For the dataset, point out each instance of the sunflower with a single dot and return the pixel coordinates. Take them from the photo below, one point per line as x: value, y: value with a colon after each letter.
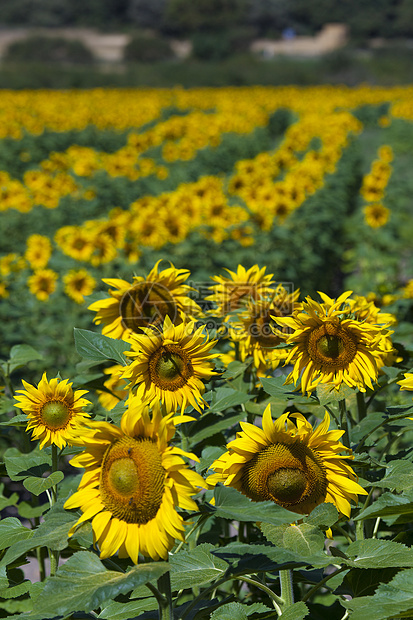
x: 407, y: 382
x: 290, y: 463
x: 54, y: 410
x: 254, y: 329
x: 376, y: 215
x: 330, y: 347
x: 145, y: 302
x: 115, y: 385
x: 38, y: 251
x: 170, y: 364
x: 231, y: 293
x: 133, y: 482
x: 78, y: 283
x: 42, y: 283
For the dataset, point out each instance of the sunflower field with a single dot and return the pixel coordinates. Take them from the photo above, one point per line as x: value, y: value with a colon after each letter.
x: 206, y: 353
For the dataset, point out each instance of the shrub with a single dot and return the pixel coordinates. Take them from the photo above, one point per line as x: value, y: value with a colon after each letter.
x: 144, y: 48
x: 48, y: 49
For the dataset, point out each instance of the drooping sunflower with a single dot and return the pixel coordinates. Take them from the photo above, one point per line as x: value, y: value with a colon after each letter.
x: 231, y: 293
x: 133, y: 482
x: 42, y: 283
x: 253, y: 328
x: 115, y: 385
x: 331, y: 347
x: 78, y: 283
x: 54, y: 410
x: 144, y: 303
x: 290, y: 463
x: 169, y: 365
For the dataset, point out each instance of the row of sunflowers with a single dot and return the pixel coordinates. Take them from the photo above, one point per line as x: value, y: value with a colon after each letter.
x: 287, y: 417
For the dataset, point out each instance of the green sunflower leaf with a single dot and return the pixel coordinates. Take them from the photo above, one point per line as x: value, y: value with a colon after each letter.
x: 326, y: 393
x: 231, y: 504
x: 98, y: 347
x: 12, y: 531
x: 304, y: 539
x: 83, y: 583
x: 323, y: 516
x: 389, y: 505
x: 238, y: 611
x: 391, y: 600
x: 195, y: 568
x: 223, y: 398
x: 125, y: 611
x: 373, y: 553
x: 207, y: 426
x: 298, y: 611
x: 20, y: 355
x: 275, y: 386
x: 20, y: 465
x: 39, y: 485
x: 399, y: 476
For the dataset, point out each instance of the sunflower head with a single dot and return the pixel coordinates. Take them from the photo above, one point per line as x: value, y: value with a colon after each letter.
x: 169, y: 365
x: 290, y: 463
x: 133, y: 483
x: 54, y: 410
x: 130, y: 308
x: 331, y: 346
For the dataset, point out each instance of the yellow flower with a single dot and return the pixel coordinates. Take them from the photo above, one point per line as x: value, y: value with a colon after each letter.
x: 78, y: 283
x: 376, y: 215
x: 290, y: 463
x: 42, y: 283
x: 38, y: 251
x: 232, y: 293
x: 169, y: 365
x: 145, y: 302
x: 115, y: 385
x: 133, y: 483
x: 54, y: 410
x: 408, y: 290
x: 4, y: 293
x: 330, y: 347
x: 407, y: 382
x: 253, y: 328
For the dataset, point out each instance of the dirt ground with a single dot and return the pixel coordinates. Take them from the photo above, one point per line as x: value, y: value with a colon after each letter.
x: 109, y: 47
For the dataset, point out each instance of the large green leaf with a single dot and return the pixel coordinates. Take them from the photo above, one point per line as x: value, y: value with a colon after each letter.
x: 230, y: 611
x: 37, y: 485
x: 246, y: 558
x: 298, y: 611
x: 391, y: 600
x: 323, y: 516
x: 52, y: 533
x: 231, y: 504
x: 275, y: 386
x: 326, y: 393
x: 223, y: 398
x: 211, y: 425
x: 304, y: 539
x: 20, y: 355
x: 373, y: 553
x: 98, y: 347
x: 126, y: 611
x: 83, y: 584
x: 399, y: 476
x: 20, y: 465
x: 195, y: 568
x: 12, y: 531
x: 388, y: 505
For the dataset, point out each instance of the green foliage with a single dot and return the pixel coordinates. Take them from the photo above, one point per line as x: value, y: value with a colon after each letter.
x: 143, y: 48
x: 48, y: 49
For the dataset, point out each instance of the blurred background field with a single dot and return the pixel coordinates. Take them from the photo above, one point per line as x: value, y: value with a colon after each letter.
x: 207, y: 134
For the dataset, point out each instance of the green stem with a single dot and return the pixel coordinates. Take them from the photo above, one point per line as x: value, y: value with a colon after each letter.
x: 276, y: 601
x: 344, y: 422
x: 322, y: 583
x: 286, y: 581
x: 165, y: 603
x: 53, y: 554
x: 361, y: 406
